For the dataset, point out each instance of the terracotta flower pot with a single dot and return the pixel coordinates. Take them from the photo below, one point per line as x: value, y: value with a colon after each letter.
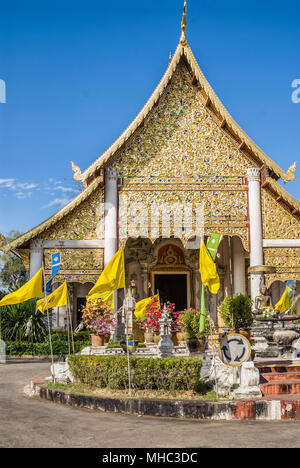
x: 149, y: 337
x: 174, y: 339
x: 193, y: 344
x: 201, y: 344
x: 180, y: 336
x: 156, y: 339
x: 97, y: 340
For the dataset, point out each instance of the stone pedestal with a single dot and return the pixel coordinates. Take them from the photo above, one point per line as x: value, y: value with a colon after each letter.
x: 272, y: 341
x: 2, y: 352
x: 249, y: 382
x: 61, y: 372
x: 166, y: 345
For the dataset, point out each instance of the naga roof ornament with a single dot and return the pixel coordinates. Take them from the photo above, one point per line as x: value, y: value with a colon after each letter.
x: 78, y: 174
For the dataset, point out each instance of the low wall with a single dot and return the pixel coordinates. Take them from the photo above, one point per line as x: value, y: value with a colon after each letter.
x: 260, y: 410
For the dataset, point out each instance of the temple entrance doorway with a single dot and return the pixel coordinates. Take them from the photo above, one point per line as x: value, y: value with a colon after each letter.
x: 172, y: 278
x: 172, y: 288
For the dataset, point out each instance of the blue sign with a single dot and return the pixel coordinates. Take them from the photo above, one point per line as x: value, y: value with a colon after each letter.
x: 56, y: 263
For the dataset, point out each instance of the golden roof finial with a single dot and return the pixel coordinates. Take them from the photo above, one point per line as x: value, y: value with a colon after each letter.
x: 290, y: 174
x: 183, y: 40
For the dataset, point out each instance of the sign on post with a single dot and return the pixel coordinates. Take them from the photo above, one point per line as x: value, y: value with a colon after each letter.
x: 2, y: 352
x: 234, y: 349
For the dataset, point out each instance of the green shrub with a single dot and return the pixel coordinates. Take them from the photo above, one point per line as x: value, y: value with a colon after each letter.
x: 146, y: 373
x: 62, y: 335
x: 114, y: 344
x: 21, y: 348
x: 190, y: 321
x: 14, y: 320
x: 236, y: 311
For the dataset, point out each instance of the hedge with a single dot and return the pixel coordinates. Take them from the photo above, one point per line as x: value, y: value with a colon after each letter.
x: 146, y: 373
x: 62, y: 335
x: 22, y: 348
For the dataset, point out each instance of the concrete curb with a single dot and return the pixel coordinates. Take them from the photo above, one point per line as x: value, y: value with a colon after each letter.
x: 251, y: 410
x: 29, y: 357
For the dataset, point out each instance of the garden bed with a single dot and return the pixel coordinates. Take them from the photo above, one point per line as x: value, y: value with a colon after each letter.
x: 203, y: 394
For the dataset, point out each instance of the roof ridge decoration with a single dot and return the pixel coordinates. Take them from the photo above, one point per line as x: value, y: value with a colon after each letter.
x: 282, y: 194
x: 2, y: 241
x: 78, y: 174
x: 243, y: 141
x: 183, y: 40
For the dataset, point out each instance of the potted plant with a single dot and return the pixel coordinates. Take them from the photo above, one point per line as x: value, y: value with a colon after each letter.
x: 150, y: 324
x: 236, y: 311
x: 98, y: 317
x: 190, y: 322
x: 177, y: 333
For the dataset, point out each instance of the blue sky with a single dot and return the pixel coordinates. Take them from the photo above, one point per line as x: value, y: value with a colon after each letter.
x: 78, y: 72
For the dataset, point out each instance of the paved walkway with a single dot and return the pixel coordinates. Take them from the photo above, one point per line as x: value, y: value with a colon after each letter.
x: 26, y: 422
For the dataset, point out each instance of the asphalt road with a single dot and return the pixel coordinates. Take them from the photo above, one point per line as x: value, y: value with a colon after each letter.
x: 26, y: 422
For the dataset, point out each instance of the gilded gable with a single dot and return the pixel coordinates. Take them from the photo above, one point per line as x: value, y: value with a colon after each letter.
x: 85, y: 222
x: 181, y: 139
x: 278, y: 221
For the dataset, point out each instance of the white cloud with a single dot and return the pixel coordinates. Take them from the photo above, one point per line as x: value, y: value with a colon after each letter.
x: 21, y: 195
x: 6, y: 183
x: 57, y: 201
x: 26, y: 186
x: 65, y: 189
x: 24, y: 190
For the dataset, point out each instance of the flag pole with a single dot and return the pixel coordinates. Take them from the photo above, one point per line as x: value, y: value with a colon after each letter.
x: 49, y: 326
x: 203, y: 305
x: 125, y: 311
x: 68, y: 325
x: 70, y: 322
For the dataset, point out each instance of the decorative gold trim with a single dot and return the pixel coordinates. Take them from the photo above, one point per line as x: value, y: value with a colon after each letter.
x: 282, y: 194
x: 262, y: 269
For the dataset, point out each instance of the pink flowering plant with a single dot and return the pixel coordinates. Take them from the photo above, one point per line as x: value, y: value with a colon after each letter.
x: 98, y: 317
x: 176, y: 316
x: 153, y: 313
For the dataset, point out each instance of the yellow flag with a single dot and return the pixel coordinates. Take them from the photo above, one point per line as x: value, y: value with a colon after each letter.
x: 112, y: 277
x: 31, y: 290
x: 208, y: 270
x: 58, y: 298
x: 107, y: 297
x: 285, y: 303
x: 140, y: 307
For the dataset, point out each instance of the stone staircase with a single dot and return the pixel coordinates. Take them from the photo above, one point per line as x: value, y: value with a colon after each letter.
x: 279, y: 379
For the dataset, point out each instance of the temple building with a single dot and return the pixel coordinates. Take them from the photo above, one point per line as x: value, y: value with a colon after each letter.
x: 182, y: 169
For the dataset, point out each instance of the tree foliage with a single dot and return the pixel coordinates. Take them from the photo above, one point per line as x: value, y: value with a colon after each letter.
x: 12, y: 271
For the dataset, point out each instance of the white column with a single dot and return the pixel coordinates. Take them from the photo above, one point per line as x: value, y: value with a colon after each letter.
x: 111, y: 219
x: 239, y: 273
x: 111, y: 214
x: 256, y: 230
x: 36, y: 256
